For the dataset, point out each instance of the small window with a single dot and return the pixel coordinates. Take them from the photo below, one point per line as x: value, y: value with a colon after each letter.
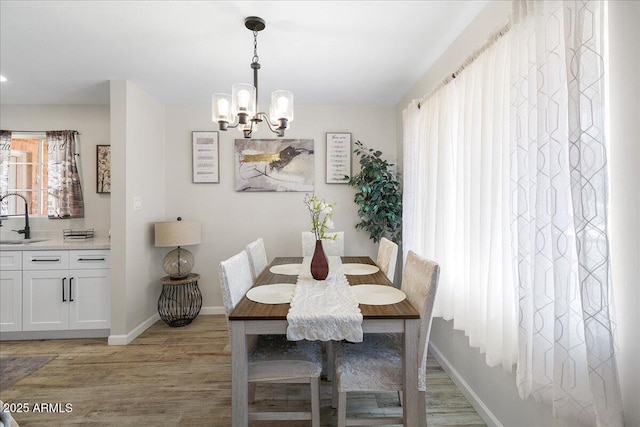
x: 28, y: 162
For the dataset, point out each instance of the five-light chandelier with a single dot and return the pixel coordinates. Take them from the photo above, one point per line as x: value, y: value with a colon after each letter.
x: 241, y: 107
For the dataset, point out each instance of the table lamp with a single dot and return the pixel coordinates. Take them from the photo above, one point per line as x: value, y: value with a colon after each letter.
x: 178, y: 262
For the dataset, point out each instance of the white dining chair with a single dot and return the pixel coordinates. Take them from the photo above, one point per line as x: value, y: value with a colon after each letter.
x: 333, y: 247
x: 257, y: 257
x: 376, y: 363
x: 273, y: 359
x: 387, y: 257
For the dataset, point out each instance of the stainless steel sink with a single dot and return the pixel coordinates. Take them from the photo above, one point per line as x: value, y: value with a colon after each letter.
x: 21, y: 241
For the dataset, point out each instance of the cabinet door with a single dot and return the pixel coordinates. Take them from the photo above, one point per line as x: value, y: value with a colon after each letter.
x: 10, y: 301
x: 90, y: 305
x: 45, y: 300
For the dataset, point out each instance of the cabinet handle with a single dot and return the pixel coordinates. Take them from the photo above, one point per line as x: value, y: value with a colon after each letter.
x: 90, y: 259
x: 46, y: 260
x: 71, y: 289
x: 63, y: 297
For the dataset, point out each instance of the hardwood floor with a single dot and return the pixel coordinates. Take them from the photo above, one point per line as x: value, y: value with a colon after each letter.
x: 180, y: 377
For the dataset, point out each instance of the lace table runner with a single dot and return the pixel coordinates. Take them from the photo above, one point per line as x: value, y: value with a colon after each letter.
x: 324, y: 309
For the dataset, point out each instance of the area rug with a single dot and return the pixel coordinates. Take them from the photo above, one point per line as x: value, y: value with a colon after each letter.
x: 13, y: 369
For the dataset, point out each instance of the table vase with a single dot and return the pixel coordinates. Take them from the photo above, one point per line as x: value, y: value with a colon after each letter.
x: 319, y: 262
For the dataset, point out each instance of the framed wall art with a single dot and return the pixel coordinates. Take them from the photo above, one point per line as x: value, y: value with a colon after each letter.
x: 274, y: 164
x: 103, y: 169
x: 206, y: 162
x: 338, y: 157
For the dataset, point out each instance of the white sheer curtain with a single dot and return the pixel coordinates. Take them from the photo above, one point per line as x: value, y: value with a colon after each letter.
x: 559, y: 176
x: 505, y: 185
x: 456, y: 201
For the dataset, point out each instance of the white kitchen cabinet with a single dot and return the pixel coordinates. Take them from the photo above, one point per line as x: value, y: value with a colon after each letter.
x: 66, y: 290
x: 10, y: 291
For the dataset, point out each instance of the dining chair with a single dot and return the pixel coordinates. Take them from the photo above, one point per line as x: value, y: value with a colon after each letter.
x: 376, y: 363
x: 257, y: 257
x: 272, y: 358
x: 333, y: 247
x: 387, y: 257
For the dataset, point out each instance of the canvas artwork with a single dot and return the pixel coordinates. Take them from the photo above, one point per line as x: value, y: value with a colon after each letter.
x: 274, y: 164
x: 103, y: 168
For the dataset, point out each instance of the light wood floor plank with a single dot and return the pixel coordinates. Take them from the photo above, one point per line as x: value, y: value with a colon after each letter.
x: 182, y: 377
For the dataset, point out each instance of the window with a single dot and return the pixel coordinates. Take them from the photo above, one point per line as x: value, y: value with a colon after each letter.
x: 28, y: 161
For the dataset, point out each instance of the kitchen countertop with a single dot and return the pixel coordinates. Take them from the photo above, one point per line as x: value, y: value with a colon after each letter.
x: 56, y: 243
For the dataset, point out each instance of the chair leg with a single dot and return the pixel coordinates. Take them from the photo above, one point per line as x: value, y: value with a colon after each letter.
x: 315, y: 402
x: 252, y: 392
x: 334, y: 394
x: 329, y: 361
x: 400, y: 398
x: 422, y: 407
x: 342, y: 409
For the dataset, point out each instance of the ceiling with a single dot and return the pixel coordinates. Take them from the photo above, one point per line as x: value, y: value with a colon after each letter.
x: 181, y: 52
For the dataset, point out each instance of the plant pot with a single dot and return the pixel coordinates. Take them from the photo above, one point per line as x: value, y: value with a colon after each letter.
x: 319, y: 262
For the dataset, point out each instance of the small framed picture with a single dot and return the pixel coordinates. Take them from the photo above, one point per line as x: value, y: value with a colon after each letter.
x: 338, y: 157
x: 205, y: 157
x: 103, y: 169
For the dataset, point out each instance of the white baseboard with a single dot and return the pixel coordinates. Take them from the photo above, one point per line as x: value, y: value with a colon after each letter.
x: 213, y: 310
x: 482, y: 409
x: 126, y: 339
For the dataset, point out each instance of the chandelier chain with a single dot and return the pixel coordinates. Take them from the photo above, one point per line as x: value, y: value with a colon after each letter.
x: 255, y: 58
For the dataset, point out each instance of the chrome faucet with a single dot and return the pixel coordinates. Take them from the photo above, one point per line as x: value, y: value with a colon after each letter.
x: 26, y: 231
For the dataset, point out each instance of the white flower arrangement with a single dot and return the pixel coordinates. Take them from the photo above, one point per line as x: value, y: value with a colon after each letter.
x: 321, y: 213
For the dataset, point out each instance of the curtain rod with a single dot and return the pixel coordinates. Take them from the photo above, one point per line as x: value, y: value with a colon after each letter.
x: 40, y: 131
x: 494, y: 38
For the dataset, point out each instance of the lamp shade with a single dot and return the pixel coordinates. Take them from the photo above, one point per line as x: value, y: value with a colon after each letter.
x: 177, y: 233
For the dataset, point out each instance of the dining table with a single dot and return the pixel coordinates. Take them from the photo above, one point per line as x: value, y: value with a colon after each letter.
x: 254, y: 318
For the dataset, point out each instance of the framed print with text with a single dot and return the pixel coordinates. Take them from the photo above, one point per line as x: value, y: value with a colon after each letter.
x: 206, y: 162
x: 338, y: 157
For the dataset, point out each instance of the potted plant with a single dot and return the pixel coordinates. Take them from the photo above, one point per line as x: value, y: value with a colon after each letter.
x: 378, y: 195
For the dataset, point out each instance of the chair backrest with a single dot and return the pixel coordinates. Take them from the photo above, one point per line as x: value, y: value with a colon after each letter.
x: 257, y: 257
x: 235, y: 280
x: 387, y: 257
x: 420, y: 282
x: 333, y: 247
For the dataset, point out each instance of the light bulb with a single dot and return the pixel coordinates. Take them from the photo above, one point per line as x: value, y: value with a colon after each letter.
x: 243, y: 99
x: 223, y: 108
x: 283, y: 105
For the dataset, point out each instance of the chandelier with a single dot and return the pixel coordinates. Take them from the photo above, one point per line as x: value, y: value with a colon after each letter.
x: 240, y: 109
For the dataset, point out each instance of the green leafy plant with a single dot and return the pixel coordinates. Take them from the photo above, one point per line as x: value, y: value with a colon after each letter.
x: 378, y: 195
x: 321, y: 214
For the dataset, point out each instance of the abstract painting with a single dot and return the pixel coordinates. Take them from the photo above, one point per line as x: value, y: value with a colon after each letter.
x: 274, y: 164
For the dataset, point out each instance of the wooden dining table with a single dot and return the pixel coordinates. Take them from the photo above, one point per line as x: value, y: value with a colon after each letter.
x: 252, y: 318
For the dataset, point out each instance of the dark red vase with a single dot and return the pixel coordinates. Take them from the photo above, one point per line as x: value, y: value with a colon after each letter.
x: 319, y: 263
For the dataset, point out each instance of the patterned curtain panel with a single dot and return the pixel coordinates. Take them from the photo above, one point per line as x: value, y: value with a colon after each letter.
x: 559, y: 186
x: 65, y: 191
x: 5, y: 152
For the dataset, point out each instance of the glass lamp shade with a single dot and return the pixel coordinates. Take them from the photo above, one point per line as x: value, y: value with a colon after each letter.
x: 221, y: 108
x: 281, y: 106
x: 243, y: 99
x: 178, y: 263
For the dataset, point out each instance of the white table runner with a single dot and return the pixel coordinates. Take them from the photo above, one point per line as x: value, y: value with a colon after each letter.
x: 324, y: 310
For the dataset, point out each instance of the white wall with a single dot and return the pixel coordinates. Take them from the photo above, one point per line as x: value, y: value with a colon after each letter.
x: 138, y: 162
x: 491, y: 390
x: 230, y: 220
x: 624, y: 68
x: 92, y: 121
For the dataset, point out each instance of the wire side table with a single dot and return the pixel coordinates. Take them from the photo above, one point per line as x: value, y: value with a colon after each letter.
x: 180, y: 300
